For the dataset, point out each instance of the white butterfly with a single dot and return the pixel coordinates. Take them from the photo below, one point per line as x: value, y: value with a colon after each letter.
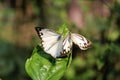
x: 56, y: 46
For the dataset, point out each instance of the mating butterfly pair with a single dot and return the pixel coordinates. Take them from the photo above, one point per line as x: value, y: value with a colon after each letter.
x: 56, y: 46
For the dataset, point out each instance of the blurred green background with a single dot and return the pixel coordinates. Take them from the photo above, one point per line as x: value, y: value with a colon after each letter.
x: 97, y: 20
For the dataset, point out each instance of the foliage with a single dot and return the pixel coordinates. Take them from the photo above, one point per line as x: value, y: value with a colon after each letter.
x: 18, y: 37
x: 42, y: 66
x: 63, y: 30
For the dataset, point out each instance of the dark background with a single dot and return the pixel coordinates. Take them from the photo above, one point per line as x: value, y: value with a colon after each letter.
x: 97, y: 20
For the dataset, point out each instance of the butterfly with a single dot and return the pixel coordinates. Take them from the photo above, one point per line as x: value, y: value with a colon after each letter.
x: 57, y: 46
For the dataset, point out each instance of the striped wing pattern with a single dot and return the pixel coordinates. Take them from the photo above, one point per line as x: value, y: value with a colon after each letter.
x: 56, y: 46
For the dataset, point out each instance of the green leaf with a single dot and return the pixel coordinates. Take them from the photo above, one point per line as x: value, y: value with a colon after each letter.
x: 63, y: 30
x: 42, y: 66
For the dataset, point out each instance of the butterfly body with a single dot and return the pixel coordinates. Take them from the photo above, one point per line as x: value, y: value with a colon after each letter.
x: 56, y: 46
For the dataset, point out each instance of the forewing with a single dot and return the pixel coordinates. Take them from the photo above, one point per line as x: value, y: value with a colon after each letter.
x: 55, y: 49
x: 81, y: 41
x: 51, y: 41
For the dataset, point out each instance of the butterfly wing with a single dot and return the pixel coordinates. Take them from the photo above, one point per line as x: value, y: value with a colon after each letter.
x: 51, y: 41
x: 67, y: 45
x: 81, y: 41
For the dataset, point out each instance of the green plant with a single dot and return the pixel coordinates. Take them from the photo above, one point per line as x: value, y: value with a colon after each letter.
x: 42, y: 66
